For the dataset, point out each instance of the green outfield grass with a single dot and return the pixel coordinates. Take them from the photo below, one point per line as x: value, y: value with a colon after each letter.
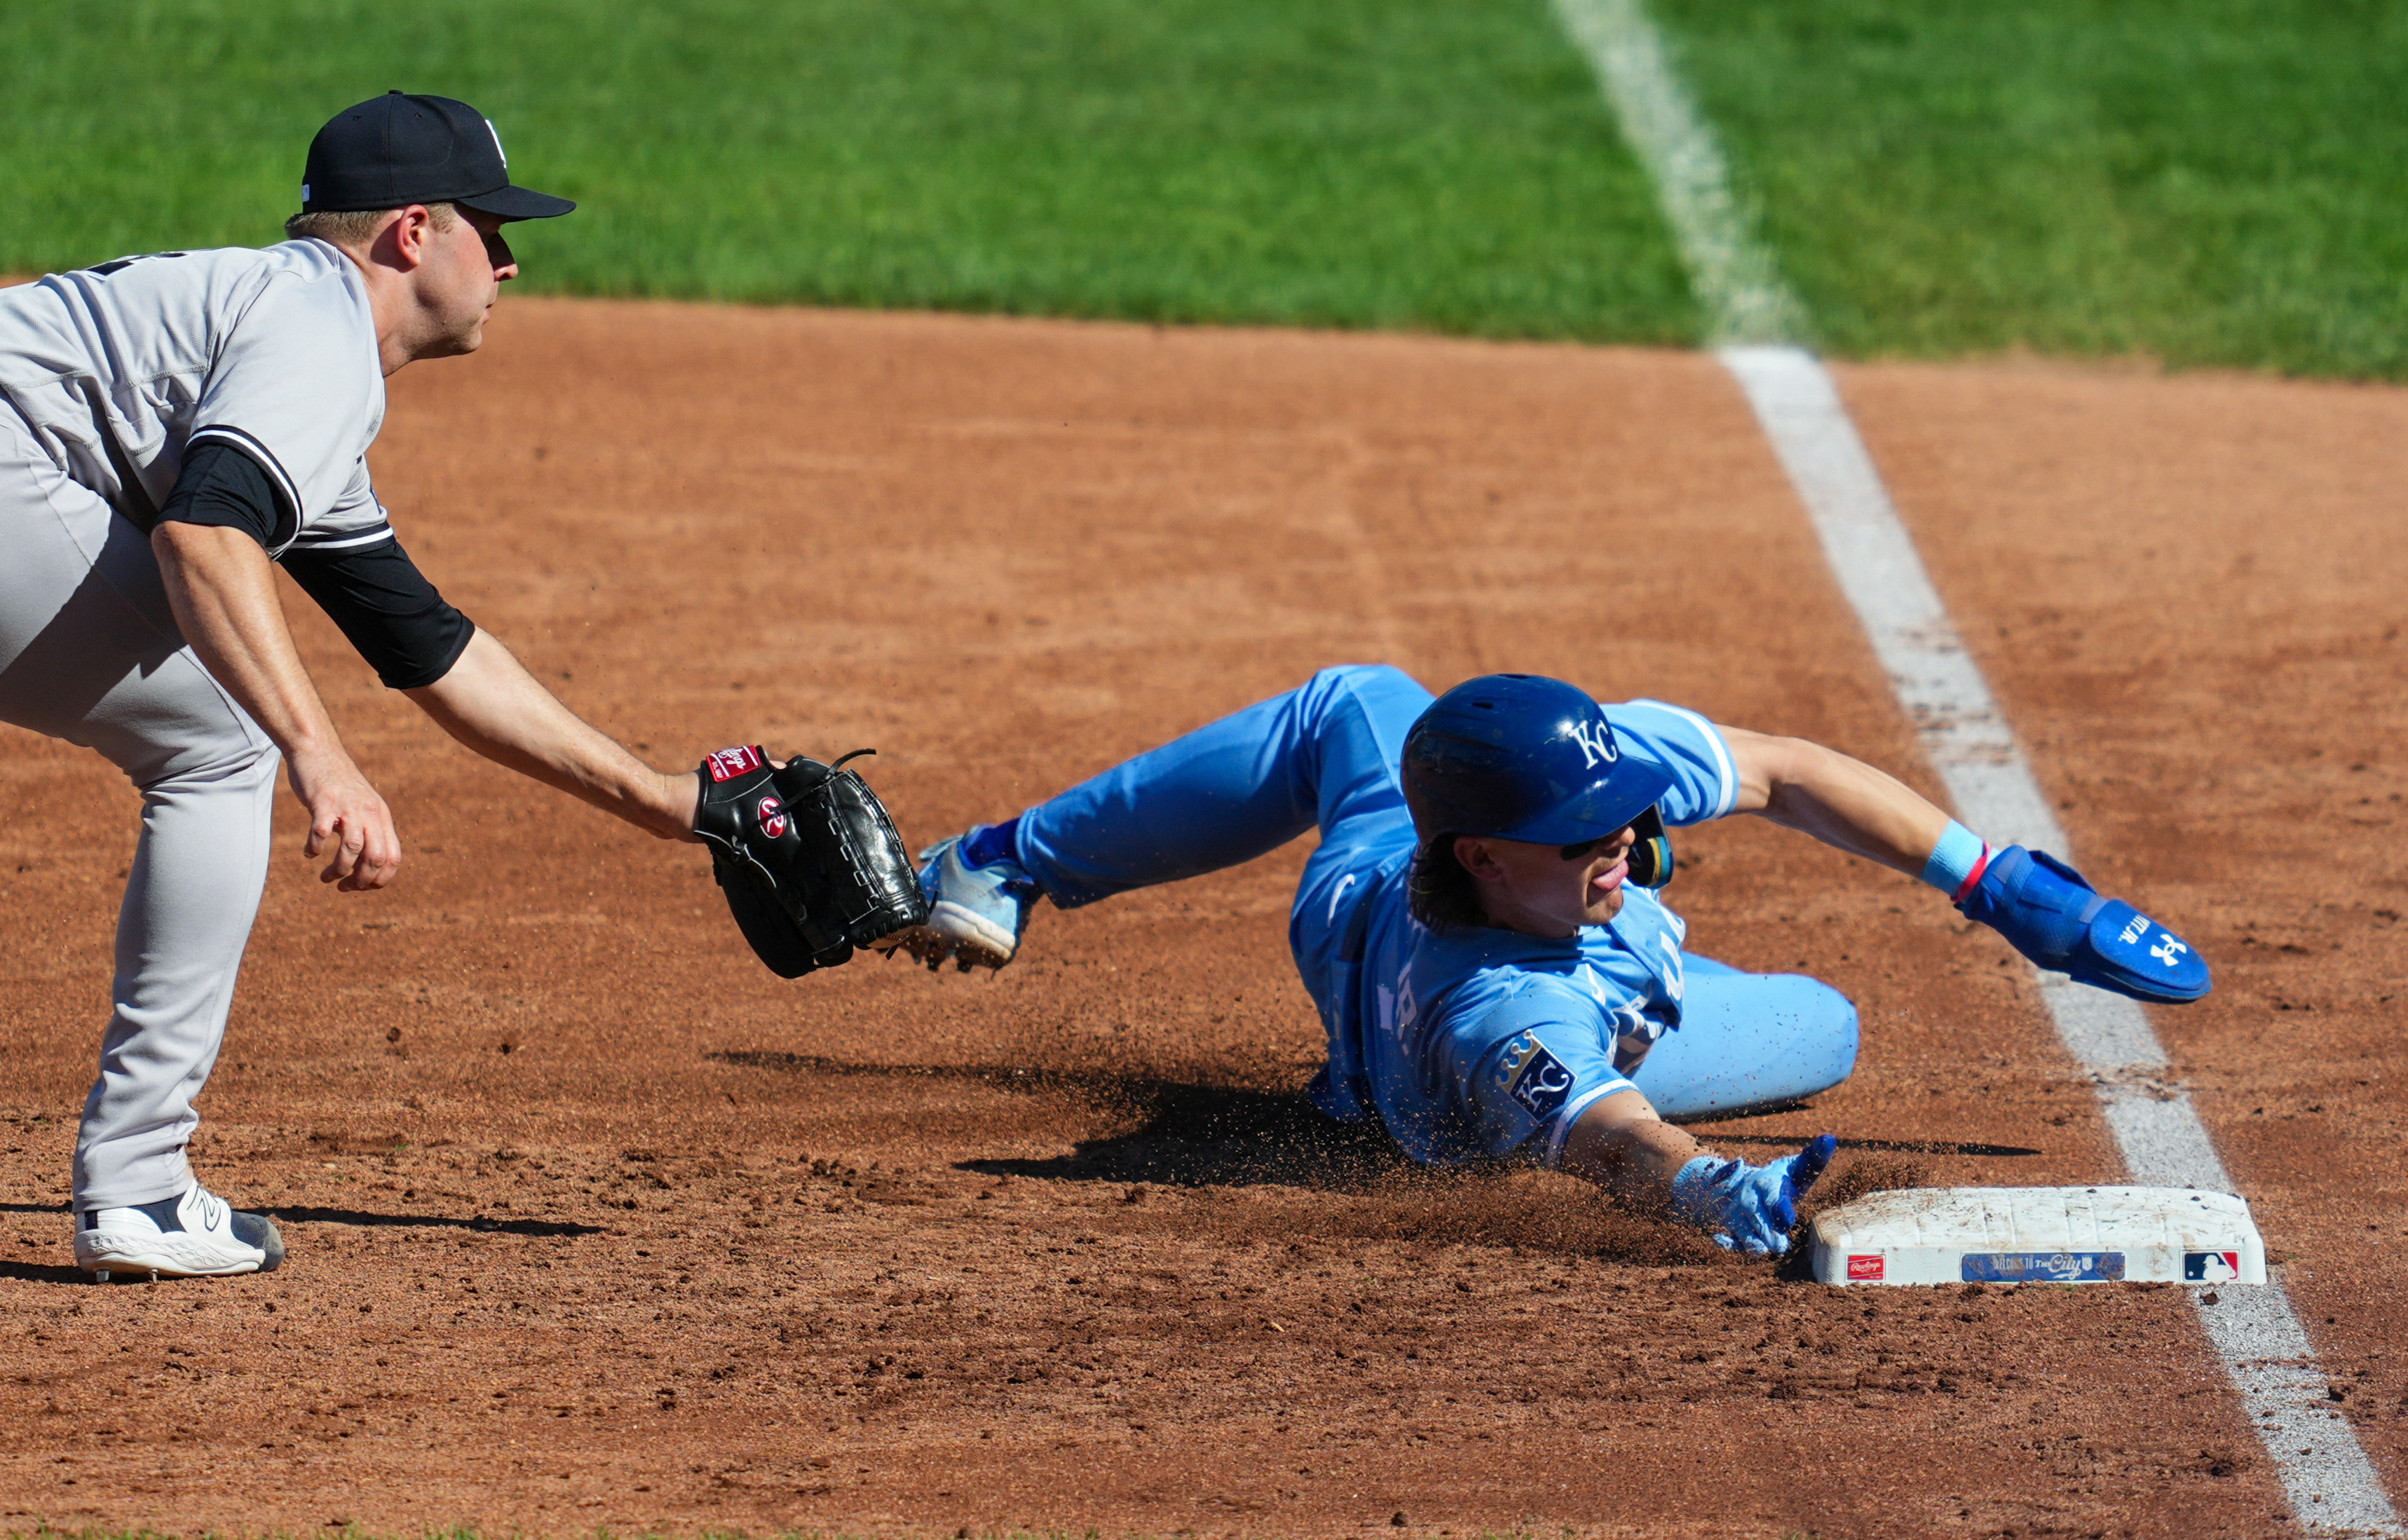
x: 2213, y: 181
x: 1355, y: 162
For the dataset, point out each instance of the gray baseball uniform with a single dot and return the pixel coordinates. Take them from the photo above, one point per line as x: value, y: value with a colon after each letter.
x: 111, y: 380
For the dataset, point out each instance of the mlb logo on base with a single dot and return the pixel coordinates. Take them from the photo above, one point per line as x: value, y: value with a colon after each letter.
x: 2210, y: 1266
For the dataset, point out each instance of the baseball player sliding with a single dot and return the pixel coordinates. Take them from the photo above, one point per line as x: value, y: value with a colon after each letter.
x: 1481, y: 927
x: 169, y: 426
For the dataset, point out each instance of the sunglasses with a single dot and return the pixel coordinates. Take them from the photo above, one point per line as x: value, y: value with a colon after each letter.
x: 1587, y: 848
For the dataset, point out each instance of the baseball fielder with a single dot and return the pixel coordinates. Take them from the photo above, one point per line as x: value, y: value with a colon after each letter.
x: 169, y: 426
x: 1480, y: 928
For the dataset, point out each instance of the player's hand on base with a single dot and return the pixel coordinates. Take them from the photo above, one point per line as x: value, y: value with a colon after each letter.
x: 1750, y: 1209
x: 2051, y: 914
x: 348, y: 822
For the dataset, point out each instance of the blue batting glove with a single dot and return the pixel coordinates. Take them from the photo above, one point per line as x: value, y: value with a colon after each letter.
x: 2050, y: 914
x: 1750, y: 1209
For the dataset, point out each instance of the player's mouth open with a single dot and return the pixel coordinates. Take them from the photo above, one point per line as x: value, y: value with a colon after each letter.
x: 1609, y: 880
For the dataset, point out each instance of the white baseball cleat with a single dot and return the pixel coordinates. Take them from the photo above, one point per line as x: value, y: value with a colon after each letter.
x: 197, y: 1235
x: 976, y: 913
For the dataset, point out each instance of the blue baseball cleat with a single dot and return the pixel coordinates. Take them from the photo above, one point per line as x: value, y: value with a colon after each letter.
x: 2053, y: 916
x: 976, y: 913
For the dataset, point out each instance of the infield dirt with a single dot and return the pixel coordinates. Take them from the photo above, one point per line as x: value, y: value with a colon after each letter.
x: 595, y: 1224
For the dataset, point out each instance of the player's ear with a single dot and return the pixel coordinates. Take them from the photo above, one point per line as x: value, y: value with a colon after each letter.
x: 1475, y: 856
x: 406, y: 238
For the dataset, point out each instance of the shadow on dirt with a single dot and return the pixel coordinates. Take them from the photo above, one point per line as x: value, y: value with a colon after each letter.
x: 27, y: 1272
x: 1250, y: 1143
x: 1184, y: 1134
x: 1198, y: 1135
x: 1195, y: 1134
x: 35, y: 1272
x: 481, y: 1224
x: 1889, y: 1147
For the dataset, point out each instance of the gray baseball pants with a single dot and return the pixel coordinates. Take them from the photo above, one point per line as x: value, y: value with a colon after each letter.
x: 89, y: 652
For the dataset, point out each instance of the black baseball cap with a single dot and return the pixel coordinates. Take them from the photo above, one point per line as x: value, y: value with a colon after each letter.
x: 398, y: 149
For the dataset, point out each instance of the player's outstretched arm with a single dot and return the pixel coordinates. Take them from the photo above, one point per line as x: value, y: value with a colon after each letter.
x: 1842, y: 801
x: 224, y: 594
x: 2045, y: 909
x: 1623, y: 1147
x: 491, y: 703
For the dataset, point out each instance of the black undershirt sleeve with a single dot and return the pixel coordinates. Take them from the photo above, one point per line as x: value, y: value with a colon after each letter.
x: 387, y: 608
x: 383, y: 603
x: 223, y: 486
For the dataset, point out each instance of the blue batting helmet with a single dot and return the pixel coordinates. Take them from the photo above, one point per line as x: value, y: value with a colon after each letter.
x: 1519, y: 756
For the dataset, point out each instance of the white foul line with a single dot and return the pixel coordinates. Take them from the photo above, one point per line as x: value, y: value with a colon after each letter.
x: 1731, y: 271
x: 2329, y: 1480
x: 2332, y: 1484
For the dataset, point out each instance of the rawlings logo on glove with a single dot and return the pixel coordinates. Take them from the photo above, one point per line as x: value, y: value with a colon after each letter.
x: 730, y: 763
x: 809, y: 861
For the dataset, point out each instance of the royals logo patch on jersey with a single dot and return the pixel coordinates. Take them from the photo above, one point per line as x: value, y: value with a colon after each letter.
x: 1535, y: 1078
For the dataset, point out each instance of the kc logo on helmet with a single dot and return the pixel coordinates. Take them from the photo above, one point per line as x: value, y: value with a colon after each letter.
x: 1597, y: 744
x: 773, y: 817
x: 728, y: 764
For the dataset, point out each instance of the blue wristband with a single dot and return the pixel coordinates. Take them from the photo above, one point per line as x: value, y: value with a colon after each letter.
x: 1954, y: 861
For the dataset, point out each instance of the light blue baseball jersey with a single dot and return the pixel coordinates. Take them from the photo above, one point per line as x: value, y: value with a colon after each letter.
x: 1469, y: 1043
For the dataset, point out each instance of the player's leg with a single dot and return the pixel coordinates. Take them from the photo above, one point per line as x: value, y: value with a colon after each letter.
x: 1219, y: 795
x: 1228, y: 793
x: 191, y: 896
x: 1367, y: 839
x: 1748, y: 1040
x: 89, y: 653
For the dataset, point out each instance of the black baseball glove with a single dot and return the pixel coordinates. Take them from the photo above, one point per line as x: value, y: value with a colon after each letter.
x: 809, y: 860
